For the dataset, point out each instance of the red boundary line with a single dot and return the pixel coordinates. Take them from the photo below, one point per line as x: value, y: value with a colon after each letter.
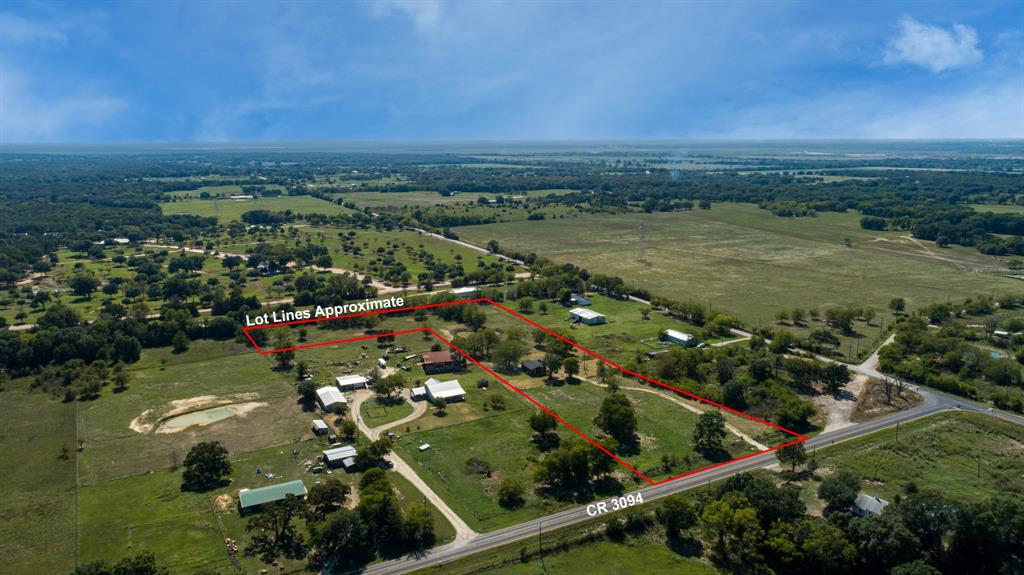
x: 800, y: 437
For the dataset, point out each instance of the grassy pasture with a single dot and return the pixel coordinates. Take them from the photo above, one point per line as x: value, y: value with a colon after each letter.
x: 743, y: 260
x: 228, y: 210
x: 425, y: 198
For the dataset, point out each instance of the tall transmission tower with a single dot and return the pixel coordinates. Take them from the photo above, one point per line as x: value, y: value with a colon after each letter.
x: 643, y: 244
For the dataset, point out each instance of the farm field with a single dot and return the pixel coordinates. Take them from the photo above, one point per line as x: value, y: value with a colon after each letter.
x: 426, y: 198
x: 228, y: 210
x: 941, y: 453
x: 724, y: 256
x: 999, y: 208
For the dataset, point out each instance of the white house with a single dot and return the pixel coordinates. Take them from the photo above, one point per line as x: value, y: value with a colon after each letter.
x: 351, y: 382
x: 329, y: 396
x: 680, y: 338
x: 586, y: 316
x: 448, y: 390
x: 340, y: 457
x: 466, y: 292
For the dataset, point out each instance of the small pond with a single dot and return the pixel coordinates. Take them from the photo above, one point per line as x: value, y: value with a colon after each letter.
x: 204, y: 417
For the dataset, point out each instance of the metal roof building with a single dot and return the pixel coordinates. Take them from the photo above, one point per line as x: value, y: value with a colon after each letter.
x: 587, y: 316
x: 447, y: 390
x: 329, y: 396
x: 252, y: 498
x: 340, y: 456
x: 680, y: 337
x: 868, y: 504
x: 350, y: 382
x: 320, y: 427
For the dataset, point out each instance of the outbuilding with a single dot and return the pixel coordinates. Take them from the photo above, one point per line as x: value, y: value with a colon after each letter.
x: 253, y: 499
x: 586, y: 316
x: 680, y: 338
x: 466, y: 292
x: 580, y: 300
x: 440, y: 361
x: 320, y: 427
x: 341, y: 457
x: 329, y: 396
x: 351, y: 382
x: 447, y: 390
x: 532, y: 367
x: 418, y: 393
x: 866, y: 505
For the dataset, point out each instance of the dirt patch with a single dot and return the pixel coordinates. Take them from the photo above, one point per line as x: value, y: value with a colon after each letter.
x: 150, y: 419
x: 872, y: 402
x: 237, y: 410
x: 839, y: 408
x: 140, y: 425
x: 223, y: 501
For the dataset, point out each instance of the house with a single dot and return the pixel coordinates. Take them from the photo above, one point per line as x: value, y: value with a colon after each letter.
x: 241, y: 196
x: 577, y: 299
x: 1001, y: 333
x: 418, y: 393
x: 320, y: 427
x: 440, y: 361
x: 680, y: 338
x: 329, y: 396
x: 122, y: 241
x: 868, y: 504
x: 447, y: 390
x: 341, y: 457
x: 586, y: 316
x: 351, y: 382
x: 466, y: 292
x: 252, y: 499
x: 532, y: 367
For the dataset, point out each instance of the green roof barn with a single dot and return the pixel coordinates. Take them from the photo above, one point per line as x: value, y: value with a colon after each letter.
x: 249, y: 499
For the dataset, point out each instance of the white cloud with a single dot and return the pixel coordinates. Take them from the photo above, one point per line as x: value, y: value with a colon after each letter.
x: 27, y: 117
x: 933, y: 47
x: 424, y: 14
x: 17, y: 30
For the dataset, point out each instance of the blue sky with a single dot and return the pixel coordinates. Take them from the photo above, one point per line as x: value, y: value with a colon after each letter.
x: 404, y: 70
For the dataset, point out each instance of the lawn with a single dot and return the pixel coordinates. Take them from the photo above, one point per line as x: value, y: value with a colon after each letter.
x: 745, y: 261
x: 228, y: 210
x: 636, y: 557
x: 966, y: 456
x: 376, y: 413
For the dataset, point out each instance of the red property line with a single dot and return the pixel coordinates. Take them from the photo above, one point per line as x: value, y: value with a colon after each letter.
x: 800, y: 437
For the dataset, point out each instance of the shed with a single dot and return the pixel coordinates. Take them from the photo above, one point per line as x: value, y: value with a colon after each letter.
x: 252, y: 499
x: 680, y: 338
x: 577, y: 299
x: 586, y: 316
x: 329, y: 396
x: 532, y: 367
x: 340, y: 456
x: 447, y: 390
x: 350, y: 382
x: 466, y: 292
x: 868, y: 504
x: 320, y: 427
x: 418, y: 393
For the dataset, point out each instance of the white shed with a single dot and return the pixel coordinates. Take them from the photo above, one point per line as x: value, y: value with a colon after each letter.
x: 586, y: 316
x: 351, y: 382
x: 329, y: 396
x: 448, y: 390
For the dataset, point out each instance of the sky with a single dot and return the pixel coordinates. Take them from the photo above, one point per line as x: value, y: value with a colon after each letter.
x: 445, y: 70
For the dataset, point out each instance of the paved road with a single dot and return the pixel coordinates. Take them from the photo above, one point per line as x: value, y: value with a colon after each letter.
x: 933, y: 402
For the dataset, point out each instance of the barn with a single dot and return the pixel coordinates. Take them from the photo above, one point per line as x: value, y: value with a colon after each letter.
x: 586, y: 316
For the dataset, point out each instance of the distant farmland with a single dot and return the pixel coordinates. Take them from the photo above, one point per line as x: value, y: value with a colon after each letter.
x: 227, y: 210
x: 741, y: 259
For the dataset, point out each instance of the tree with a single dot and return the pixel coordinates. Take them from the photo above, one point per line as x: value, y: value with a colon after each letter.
x: 834, y: 376
x: 511, y: 493
x: 792, y: 455
x: 571, y: 365
x: 389, y: 387
x: 919, y: 567
x: 307, y: 391
x: 273, y: 530
x: 617, y: 418
x: 120, y: 378
x: 507, y: 353
x: 733, y: 526
x: 441, y: 406
x: 542, y: 422
x: 418, y: 528
x: 83, y: 285
x: 839, y: 490
x: 143, y: 563
x: 344, y: 539
x: 206, y: 465
x: 552, y: 363
x: 898, y: 305
x: 179, y: 343
x: 473, y: 316
x: 676, y: 514
x: 709, y: 432
x: 325, y: 498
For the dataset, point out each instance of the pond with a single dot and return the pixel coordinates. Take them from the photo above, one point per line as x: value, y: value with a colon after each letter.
x: 204, y: 417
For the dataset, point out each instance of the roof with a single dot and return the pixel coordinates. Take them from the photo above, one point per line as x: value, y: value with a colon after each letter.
x: 463, y: 290
x: 532, y: 364
x: 674, y: 334
x: 346, y: 380
x: 319, y: 424
x: 870, y: 503
x: 261, y: 495
x: 444, y: 389
x: 437, y: 356
x: 419, y: 391
x: 585, y: 313
x: 339, y: 453
x: 330, y: 395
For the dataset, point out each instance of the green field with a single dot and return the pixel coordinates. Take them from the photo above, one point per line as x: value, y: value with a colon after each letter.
x: 420, y: 199
x: 228, y: 210
x: 999, y: 208
x: 940, y: 453
x: 609, y: 558
x: 376, y: 413
x: 745, y: 261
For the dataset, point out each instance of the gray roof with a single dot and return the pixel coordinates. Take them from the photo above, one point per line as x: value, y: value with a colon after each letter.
x: 870, y: 503
x: 339, y: 453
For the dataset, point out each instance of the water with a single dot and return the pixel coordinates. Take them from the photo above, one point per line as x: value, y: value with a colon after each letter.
x: 203, y: 417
